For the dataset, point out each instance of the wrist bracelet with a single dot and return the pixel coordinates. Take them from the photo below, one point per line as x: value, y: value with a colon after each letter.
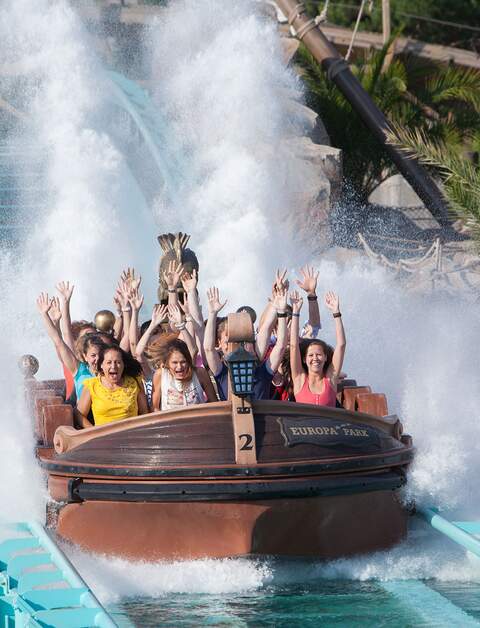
x: 126, y: 309
x: 296, y: 314
x: 180, y: 326
x: 337, y: 315
x: 171, y: 290
x: 282, y: 314
x: 312, y: 297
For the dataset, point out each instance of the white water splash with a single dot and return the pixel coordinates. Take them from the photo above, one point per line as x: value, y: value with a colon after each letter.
x: 221, y: 83
x: 113, y: 578
x: 220, y: 87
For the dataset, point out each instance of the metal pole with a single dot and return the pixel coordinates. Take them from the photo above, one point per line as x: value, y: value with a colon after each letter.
x: 386, y: 20
x: 338, y: 71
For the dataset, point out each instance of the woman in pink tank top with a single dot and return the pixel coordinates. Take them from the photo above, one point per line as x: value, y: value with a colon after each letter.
x: 316, y: 367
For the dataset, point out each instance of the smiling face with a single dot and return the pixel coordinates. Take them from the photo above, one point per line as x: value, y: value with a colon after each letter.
x: 112, y: 366
x: 178, y: 366
x: 315, y: 359
x: 91, y: 357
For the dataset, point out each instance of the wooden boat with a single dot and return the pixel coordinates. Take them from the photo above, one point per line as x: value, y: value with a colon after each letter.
x: 214, y: 480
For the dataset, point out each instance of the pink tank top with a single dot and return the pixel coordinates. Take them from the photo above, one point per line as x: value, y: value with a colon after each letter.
x: 328, y: 396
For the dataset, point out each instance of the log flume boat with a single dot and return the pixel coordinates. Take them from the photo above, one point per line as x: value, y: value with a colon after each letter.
x: 230, y: 478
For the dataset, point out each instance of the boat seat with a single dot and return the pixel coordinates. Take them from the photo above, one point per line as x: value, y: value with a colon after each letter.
x: 54, y: 416
x: 372, y: 403
x: 341, y: 385
x: 42, y: 402
x: 350, y: 393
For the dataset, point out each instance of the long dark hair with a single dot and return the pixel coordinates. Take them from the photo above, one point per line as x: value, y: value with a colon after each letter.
x: 306, y: 344
x: 131, y: 366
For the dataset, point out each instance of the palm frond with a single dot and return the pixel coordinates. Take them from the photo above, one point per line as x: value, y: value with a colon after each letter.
x: 461, y: 84
x: 460, y: 178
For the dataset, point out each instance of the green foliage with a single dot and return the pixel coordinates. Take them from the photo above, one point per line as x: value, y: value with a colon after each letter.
x: 442, y: 104
x: 461, y: 178
x: 465, y: 12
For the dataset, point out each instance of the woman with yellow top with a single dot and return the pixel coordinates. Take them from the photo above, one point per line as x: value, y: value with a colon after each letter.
x: 116, y: 393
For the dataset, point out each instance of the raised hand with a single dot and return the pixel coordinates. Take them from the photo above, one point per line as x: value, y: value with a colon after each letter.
x: 308, y: 280
x: 307, y: 331
x: 55, y: 311
x: 296, y: 301
x: 281, y: 280
x: 279, y: 298
x: 189, y: 281
x: 175, y: 315
x: 214, y: 304
x: 129, y: 280
x: 122, y: 294
x: 184, y: 307
x: 332, y: 302
x: 65, y: 290
x: 117, y: 302
x: 172, y: 275
x: 44, y: 303
x: 135, y: 299
x: 159, y: 314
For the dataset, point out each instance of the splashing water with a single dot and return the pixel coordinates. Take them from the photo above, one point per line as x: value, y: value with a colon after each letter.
x: 222, y: 87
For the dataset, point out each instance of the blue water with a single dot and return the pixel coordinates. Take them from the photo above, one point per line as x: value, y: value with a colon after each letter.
x: 322, y: 602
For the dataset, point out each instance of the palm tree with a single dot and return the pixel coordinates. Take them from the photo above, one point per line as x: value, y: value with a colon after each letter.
x: 458, y: 172
x: 441, y: 104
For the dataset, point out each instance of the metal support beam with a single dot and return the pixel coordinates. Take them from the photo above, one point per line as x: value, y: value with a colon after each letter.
x: 338, y: 72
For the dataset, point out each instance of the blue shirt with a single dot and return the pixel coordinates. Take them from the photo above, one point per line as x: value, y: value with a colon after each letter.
x: 262, y: 380
x: 83, y: 373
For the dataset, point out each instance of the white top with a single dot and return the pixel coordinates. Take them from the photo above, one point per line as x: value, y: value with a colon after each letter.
x: 177, y: 394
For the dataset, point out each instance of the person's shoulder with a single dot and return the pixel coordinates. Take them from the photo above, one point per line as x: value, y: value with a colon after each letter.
x: 132, y: 382
x: 89, y: 383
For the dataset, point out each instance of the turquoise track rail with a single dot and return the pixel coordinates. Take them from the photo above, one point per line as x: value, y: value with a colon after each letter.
x: 39, y: 587
x: 463, y: 533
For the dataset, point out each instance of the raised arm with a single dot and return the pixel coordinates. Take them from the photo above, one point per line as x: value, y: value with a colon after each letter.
x: 172, y: 278
x: 122, y: 294
x: 136, y: 301
x: 118, y: 326
x: 66, y: 291
x: 279, y: 302
x: 333, y: 304
x: 295, y: 357
x: 189, y: 283
x: 65, y: 354
x: 159, y: 315
x: 308, y: 283
x: 177, y: 322
x: 211, y: 354
x: 269, y: 315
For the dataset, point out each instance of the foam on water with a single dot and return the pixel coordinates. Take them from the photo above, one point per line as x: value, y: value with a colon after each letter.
x: 220, y: 85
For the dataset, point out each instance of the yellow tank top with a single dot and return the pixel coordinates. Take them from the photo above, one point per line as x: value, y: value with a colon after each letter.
x: 113, y: 405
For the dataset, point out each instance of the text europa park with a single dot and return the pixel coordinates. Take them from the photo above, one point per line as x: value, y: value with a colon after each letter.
x: 328, y: 431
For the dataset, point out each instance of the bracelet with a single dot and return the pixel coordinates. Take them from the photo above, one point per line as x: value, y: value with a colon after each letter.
x: 337, y: 315
x: 126, y: 309
x: 296, y: 314
x: 282, y: 314
x: 180, y: 326
x: 171, y: 290
x: 312, y: 297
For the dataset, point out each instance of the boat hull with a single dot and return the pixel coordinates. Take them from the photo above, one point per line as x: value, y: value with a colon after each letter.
x: 325, y: 527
